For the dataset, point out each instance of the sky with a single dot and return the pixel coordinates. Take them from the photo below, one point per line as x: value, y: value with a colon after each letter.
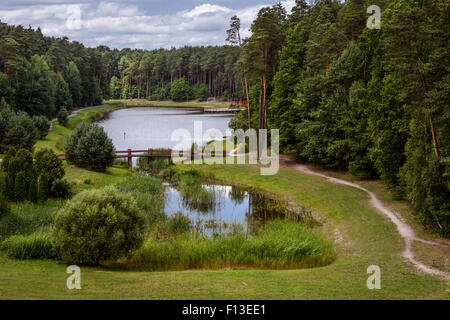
x: 141, y: 24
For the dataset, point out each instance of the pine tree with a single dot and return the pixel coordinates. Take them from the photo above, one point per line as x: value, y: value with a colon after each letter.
x: 73, y: 79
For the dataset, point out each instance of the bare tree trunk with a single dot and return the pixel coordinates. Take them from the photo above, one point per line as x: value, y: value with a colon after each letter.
x: 424, y: 84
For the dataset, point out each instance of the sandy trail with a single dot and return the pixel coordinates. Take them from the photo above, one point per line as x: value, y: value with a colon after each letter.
x: 406, y: 232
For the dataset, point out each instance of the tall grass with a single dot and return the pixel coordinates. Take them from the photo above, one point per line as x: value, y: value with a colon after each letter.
x: 26, y: 218
x: 149, y: 194
x: 280, y: 245
x: 195, y: 196
x: 33, y: 246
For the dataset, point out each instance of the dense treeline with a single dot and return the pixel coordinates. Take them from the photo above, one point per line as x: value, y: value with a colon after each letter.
x: 344, y: 96
x: 43, y: 75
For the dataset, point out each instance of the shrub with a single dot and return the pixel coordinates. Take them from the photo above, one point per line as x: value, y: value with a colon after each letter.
x: 154, y: 167
x: 63, y: 117
x: 43, y: 188
x: 180, y: 90
x: 87, y: 181
x: 42, y: 125
x: 46, y: 161
x: 11, y: 153
x: 33, y: 246
x: 8, y: 191
x: 62, y: 189
x: 5, y: 208
x: 21, y: 162
x: 20, y: 187
x: 148, y: 192
x: 98, y: 225
x: 32, y: 191
x: 17, y: 130
x: 201, y: 92
x: 89, y: 147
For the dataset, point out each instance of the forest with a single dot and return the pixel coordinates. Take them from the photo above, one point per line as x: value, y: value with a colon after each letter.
x: 344, y: 96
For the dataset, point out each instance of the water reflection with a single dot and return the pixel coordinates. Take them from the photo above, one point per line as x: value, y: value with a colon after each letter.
x: 231, y: 209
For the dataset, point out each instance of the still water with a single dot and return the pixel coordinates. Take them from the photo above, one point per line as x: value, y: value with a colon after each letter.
x: 143, y: 128
x: 233, y: 208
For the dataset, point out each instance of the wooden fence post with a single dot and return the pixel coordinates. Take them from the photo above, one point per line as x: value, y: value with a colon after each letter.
x: 130, y: 159
x: 150, y: 153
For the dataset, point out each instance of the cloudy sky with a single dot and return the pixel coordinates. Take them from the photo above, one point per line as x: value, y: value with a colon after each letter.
x: 144, y: 24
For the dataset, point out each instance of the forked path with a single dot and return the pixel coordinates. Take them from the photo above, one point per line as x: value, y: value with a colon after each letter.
x: 405, y: 230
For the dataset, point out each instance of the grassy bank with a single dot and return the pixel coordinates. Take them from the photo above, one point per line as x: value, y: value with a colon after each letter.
x: 55, y: 138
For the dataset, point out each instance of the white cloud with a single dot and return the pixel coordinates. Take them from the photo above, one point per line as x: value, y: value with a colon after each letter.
x: 120, y: 25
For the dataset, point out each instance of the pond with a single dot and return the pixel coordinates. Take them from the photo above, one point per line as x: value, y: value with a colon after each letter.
x: 152, y: 127
x: 231, y: 209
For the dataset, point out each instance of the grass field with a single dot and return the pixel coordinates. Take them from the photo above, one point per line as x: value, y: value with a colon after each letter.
x: 362, y: 237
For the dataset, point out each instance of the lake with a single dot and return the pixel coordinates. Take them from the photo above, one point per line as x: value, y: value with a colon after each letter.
x: 143, y: 128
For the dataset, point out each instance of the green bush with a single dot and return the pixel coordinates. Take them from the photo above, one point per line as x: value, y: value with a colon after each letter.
x: 42, y: 125
x: 154, y: 167
x: 22, y: 161
x: 180, y: 90
x: 5, y: 208
x: 61, y: 189
x: 201, y: 92
x: 43, y: 191
x: 33, y: 246
x: 89, y: 147
x: 98, y: 225
x: 32, y: 192
x: 47, y: 161
x: 87, y: 181
x: 11, y: 153
x: 20, y: 187
x: 148, y: 192
x: 63, y: 117
x: 17, y: 130
x: 8, y: 188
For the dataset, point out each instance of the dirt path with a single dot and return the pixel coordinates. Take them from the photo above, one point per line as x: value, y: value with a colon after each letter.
x: 405, y: 230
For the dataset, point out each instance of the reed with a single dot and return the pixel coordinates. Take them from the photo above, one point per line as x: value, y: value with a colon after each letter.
x: 280, y: 245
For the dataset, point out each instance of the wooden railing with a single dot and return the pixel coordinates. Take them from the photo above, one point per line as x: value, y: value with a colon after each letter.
x: 158, y: 153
